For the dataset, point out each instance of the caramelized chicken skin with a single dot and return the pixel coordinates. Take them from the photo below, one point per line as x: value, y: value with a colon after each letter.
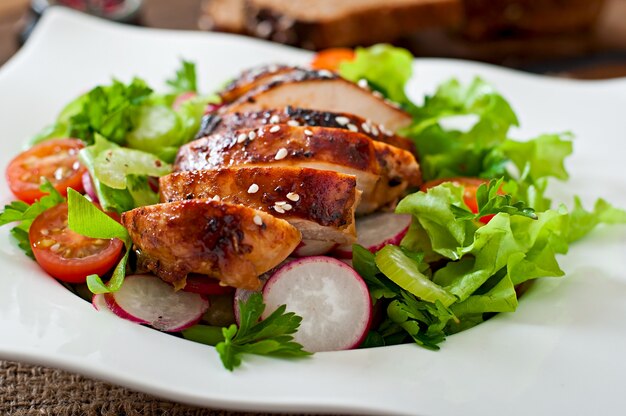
x: 232, y: 243
x: 219, y: 123
x: 322, y: 91
x: 383, y: 172
x: 321, y: 204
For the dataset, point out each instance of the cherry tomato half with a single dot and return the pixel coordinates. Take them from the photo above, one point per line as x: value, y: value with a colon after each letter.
x: 330, y: 59
x: 66, y: 255
x: 55, y: 160
x: 470, y: 187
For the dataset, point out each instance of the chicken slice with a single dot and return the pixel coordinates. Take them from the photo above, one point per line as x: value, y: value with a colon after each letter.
x: 232, y: 243
x: 251, y: 79
x: 221, y: 123
x: 321, y: 204
x: 383, y: 172
x: 322, y: 91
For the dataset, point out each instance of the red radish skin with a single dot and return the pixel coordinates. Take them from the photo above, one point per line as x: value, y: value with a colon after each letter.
x: 308, y: 248
x: 89, y: 188
x: 332, y: 299
x: 182, y: 98
x: 376, y: 231
x: 146, y: 299
x: 206, y: 286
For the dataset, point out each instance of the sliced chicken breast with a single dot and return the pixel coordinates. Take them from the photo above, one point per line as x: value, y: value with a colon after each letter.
x: 251, y: 79
x: 382, y: 172
x: 322, y: 91
x: 232, y: 243
x: 221, y: 123
x: 321, y: 204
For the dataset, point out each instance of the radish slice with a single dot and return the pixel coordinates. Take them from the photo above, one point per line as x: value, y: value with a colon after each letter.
x: 182, y: 98
x: 89, y: 188
x: 376, y: 231
x: 146, y: 299
x: 331, y: 298
x: 308, y: 248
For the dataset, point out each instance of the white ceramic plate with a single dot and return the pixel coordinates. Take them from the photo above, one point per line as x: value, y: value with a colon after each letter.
x: 562, y: 352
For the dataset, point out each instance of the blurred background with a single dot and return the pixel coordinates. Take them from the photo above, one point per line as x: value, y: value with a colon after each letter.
x: 577, y: 38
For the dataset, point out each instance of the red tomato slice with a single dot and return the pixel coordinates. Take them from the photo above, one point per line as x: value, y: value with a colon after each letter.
x: 330, y: 59
x: 470, y: 187
x: 66, y: 255
x: 55, y: 160
x: 204, y: 285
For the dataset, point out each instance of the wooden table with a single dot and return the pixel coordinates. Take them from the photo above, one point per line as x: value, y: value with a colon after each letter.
x: 598, y: 54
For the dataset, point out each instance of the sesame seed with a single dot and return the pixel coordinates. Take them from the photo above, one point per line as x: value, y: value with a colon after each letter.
x: 58, y: 174
x: 253, y: 189
x: 377, y: 94
x: 252, y: 135
x: 279, y: 209
x: 352, y: 127
x: 242, y: 138
x: 287, y: 207
x: 308, y: 132
x: 362, y: 83
x: 280, y: 203
x: 258, y: 220
x: 293, y: 123
x: 292, y: 196
x: 76, y: 165
x: 216, y: 198
x: 281, y: 154
x: 274, y: 119
x: 342, y: 121
x: 366, y: 128
x: 388, y: 133
x: 275, y: 129
x: 374, y: 130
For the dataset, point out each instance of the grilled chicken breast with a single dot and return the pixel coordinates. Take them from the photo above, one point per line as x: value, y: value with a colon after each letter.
x: 251, y: 79
x: 222, y: 123
x: 382, y: 172
x: 232, y: 243
x: 322, y: 91
x: 320, y: 204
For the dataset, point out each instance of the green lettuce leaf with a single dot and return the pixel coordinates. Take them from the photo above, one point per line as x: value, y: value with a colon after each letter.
x: 86, y: 219
x: 386, y: 68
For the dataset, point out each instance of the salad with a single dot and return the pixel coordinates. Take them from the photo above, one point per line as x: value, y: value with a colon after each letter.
x: 297, y: 210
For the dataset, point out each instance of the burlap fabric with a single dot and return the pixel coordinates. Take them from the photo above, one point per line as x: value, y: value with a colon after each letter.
x: 31, y: 390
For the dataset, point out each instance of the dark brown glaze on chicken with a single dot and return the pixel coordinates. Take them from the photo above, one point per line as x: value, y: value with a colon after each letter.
x: 383, y: 172
x: 323, y: 91
x: 221, y: 123
x: 321, y: 204
x: 251, y: 79
x: 232, y: 243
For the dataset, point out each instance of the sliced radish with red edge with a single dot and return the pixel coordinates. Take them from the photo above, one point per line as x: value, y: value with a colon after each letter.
x: 146, y: 299
x: 376, y: 231
x: 331, y: 298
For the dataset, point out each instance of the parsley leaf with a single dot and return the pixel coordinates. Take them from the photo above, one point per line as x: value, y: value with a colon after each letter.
x: 109, y: 111
x: 271, y: 336
x: 491, y: 201
x: 185, y: 78
x: 19, y: 211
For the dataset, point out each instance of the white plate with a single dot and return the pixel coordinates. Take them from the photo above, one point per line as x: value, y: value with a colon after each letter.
x: 562, y: 352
